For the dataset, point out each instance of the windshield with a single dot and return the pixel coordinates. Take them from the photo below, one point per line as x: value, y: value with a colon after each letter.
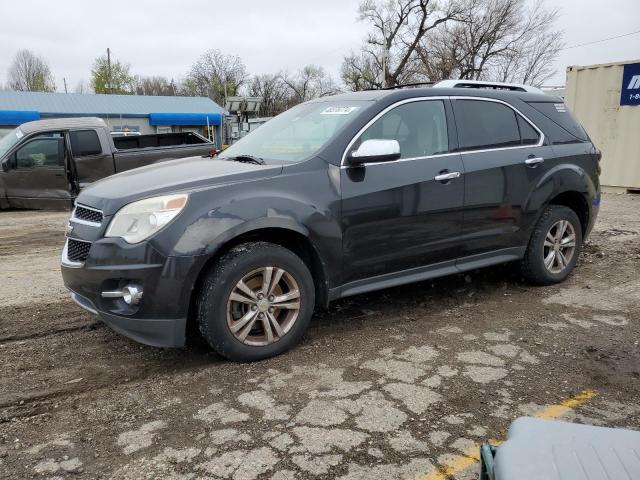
x: 298, y: 133
x: 9, y: 140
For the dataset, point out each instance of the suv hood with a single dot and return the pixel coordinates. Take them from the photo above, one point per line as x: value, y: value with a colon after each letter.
x: 183, y: 175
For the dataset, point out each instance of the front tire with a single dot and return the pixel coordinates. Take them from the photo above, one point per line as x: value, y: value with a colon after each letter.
x: 256, y: 302
x: 554, y: 246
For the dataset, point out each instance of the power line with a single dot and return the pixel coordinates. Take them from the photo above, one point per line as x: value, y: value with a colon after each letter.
x: 601, y: 40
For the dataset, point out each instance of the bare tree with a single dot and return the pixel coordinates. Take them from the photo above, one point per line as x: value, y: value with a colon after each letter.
x: 498, y: 40
x: 361, y: 72
x: 30, y: 73
x: 274, y: 92
x: 156, y: 86
x: 308, y: 83
x: 215, y: 75
x: 397, y: 28
x: 82, y: 87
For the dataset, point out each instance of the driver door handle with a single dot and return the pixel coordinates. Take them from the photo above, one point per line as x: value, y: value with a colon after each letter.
x: 532, y: 162
x: 444, y: 177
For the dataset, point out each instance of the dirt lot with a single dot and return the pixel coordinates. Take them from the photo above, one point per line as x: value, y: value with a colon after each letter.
x: 398, y: 384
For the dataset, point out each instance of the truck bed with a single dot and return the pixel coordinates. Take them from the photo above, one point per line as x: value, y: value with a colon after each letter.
x: 158, y: 140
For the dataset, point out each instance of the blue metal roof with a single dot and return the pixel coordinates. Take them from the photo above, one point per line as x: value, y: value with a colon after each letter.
x: 185, y: 119
x: 17, y: 117
x: 77, y: 104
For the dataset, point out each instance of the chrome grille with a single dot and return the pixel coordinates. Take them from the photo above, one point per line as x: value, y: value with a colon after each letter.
x: 86, y: 214
x: 77, y: 250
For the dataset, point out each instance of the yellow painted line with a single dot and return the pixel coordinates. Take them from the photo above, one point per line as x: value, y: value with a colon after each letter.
x: 467, y: 459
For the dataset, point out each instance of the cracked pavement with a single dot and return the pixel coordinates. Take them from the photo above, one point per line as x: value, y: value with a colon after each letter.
x: 396, y: 384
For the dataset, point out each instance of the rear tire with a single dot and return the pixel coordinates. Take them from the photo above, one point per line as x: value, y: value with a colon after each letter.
x: 554, y: 246
x: 256, y: 302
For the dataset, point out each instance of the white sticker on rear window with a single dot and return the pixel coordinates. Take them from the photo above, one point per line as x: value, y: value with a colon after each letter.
x: 338, y: 110
x: 560, y: 107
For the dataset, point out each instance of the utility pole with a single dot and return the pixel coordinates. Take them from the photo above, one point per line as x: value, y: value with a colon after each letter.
x: 64, y: 79
x: 108, y: 70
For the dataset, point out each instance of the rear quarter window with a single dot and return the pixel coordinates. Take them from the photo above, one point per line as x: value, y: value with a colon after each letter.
x: 85, y: 142
x: 558, y: 113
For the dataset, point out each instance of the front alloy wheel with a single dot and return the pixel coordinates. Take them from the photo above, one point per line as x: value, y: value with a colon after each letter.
x: 255, y: 302
x: 263, y: 306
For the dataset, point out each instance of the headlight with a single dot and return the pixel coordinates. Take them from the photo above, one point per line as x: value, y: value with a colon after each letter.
x: 139, y: 220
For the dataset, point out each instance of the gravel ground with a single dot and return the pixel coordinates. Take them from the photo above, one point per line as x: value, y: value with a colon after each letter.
x: 397, y: 384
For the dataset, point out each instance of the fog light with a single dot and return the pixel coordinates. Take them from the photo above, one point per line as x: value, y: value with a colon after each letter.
x: 131, y: 294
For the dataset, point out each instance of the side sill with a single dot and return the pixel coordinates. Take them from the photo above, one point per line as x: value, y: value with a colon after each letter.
x: 427, y: 272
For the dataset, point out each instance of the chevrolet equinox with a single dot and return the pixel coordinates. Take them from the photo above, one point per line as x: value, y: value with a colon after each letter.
x: 335, y: 197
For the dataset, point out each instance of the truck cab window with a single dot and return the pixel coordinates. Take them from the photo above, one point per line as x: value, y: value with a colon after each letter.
x: 46, y: 150
x: 85, y: 142
x: 419, y: 127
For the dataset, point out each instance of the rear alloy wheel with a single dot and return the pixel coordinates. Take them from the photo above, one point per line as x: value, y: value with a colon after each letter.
x: 559, y: 246
x: 255, y: 302
x: 554, y: 246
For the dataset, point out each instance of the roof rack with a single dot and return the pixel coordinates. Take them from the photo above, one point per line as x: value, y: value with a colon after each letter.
x: 409, y: 85
x: 515, y: 87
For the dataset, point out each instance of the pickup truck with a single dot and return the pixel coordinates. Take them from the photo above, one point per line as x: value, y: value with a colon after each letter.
x: 46, y: 163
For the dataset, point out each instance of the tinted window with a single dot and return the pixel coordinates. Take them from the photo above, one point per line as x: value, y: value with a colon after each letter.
x: 419, y: 127
x: 85, y: 142
x: 528, y: 134
x: 561, y: 116
x: 46, y: 150
x: 485, y: 125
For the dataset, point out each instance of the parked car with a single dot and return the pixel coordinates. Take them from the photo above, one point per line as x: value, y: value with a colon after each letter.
x: 47, y: 162
x: 544, y: 449
x: 335, y: 197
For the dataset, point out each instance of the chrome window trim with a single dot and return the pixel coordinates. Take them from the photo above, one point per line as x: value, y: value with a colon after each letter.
x: 454, y: 97
x: 380, y: 114
x: 85, y: 222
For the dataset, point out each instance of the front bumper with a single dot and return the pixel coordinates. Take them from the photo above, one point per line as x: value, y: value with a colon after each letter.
x: 154, y: 332
x: 160, y: 318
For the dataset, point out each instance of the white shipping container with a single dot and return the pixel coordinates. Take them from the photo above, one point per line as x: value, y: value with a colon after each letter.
x: 594, y: 94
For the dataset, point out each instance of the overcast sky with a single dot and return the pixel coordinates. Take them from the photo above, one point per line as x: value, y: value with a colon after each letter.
x: 159, y: 37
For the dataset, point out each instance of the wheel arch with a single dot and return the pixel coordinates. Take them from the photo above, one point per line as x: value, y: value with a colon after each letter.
x: 294, y: 239
x: 567, y: 185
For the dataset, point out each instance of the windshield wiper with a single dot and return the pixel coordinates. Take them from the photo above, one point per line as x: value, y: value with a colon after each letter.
x: 247, y: 159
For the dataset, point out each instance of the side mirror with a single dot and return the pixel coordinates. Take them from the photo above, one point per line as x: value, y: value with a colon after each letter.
x: 9, y: 163
x: 375, y: 151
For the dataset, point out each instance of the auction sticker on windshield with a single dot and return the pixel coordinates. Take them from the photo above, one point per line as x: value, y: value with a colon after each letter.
x: 338, y: 110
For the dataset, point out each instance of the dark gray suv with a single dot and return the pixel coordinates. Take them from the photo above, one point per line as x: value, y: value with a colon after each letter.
x: 335, y: 197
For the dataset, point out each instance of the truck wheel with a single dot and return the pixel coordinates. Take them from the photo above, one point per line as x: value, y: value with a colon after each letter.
x: 256, y: 302
x: 554, y: 246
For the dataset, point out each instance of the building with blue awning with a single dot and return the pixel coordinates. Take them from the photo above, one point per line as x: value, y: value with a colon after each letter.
x: 144, y: 114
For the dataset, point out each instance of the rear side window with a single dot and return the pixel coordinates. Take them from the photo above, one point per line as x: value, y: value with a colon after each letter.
x: 528, y: 134
x: 419, y: 127
x: 85, y: 142
x: 561, y: 116
x: 484, y: 125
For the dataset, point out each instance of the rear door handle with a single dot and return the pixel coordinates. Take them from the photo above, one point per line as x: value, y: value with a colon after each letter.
x: 445, y: 177
x: 532, y: 162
